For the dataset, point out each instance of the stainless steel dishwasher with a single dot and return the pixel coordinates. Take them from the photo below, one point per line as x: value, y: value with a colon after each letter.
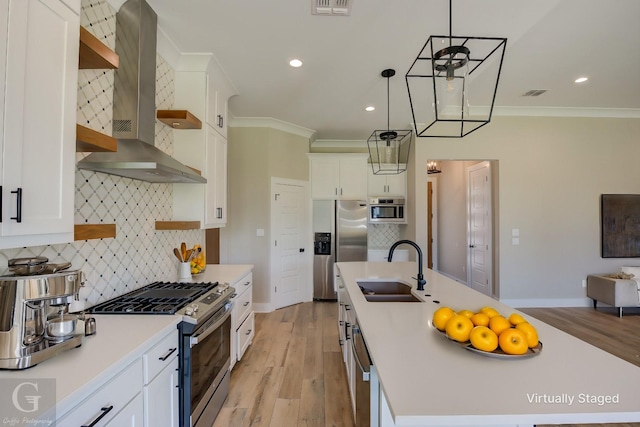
x: 366, y: 382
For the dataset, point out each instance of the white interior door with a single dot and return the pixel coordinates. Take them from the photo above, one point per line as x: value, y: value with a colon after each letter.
x: 291, y: 246
x: 479, y: 227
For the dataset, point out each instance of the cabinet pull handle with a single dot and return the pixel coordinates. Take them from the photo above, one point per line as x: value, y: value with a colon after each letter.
x: 219, y: 213
x: 245, y: 304
x: 220, y: 121
x: 169, y: 353
x: 247, y: 284
x: 0, y: 203
x: 248, y: 332
x: 18, y: 194
x: 233, y: 295
x: 105, y: 410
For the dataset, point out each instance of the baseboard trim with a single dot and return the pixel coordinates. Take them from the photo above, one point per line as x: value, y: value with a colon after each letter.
x: 548, y: 302
x: 262, y: 307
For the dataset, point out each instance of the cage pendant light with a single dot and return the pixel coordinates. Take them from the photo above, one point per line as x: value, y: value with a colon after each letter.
x: 389, y: 149
x: 453, y: 82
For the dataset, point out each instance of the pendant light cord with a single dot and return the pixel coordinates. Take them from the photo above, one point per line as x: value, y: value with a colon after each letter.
x: 388, y: 113
x: 450, y: 22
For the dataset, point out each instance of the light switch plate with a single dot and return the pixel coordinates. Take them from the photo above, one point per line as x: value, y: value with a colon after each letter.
x: 260, y: 232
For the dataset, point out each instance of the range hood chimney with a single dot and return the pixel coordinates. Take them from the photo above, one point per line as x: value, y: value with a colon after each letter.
x: 134, y: 105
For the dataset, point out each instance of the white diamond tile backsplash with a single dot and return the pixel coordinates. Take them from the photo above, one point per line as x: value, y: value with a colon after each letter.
x: 382, y: 236
x: 139, y: 254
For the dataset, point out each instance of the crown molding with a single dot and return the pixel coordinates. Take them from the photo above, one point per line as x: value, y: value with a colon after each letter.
x: 339, y: 143
x: 268, y: 122
x: 624, y: 113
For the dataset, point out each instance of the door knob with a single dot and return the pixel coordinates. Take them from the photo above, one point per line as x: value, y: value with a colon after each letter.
x: 301, y: 249
x: 472, y: 246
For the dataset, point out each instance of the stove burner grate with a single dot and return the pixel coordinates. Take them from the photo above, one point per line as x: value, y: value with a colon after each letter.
x: 156, y: 298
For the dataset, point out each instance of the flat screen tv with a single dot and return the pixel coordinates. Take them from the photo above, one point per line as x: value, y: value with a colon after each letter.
x: 620, y: 225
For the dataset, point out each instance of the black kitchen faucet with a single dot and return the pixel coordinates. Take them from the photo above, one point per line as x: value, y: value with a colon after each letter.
x: 420, y: 278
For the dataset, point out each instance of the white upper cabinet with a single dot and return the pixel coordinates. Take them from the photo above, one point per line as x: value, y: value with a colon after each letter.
x: 38, y: 132
x: 219, y: 92
x: 387, y: 185
x: 4, y: 27
x: 338, y: 176
x: 203, y: 149
x: 216, y: 200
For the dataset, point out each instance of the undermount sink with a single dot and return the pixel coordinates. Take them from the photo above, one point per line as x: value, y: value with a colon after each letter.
x: 392, y: 298
x: 386, y: 291
x: 375, y: 287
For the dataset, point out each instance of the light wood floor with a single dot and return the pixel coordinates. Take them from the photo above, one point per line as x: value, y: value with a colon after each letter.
x: 292, y: 374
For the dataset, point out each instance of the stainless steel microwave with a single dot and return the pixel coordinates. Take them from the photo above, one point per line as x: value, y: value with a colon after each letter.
x: 382, y: 209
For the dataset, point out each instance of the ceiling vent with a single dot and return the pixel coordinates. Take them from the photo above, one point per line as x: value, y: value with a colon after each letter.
x: 331, y: 7
x: 534, y: 92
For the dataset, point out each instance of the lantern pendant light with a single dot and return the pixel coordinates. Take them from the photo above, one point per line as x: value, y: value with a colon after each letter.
x: 389, y: 149
x: 453, y: 82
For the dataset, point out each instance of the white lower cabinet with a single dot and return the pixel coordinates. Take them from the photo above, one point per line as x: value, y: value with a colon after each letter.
x: 109, y: 400
x: 130, y: 416
x: 242, y: 318
x: 143, y: 393
x: 161, y: 391
x: 245, y: 334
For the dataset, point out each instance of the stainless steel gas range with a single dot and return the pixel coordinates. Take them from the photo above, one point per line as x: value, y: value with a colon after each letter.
x: 205, y: 340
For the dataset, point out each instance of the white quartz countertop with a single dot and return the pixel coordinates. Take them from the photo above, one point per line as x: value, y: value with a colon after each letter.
x: 119, y: 340
x: 224, y: 273
x: 429, y: 380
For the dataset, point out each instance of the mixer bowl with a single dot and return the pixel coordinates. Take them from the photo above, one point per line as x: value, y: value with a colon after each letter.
x: 61, y: 326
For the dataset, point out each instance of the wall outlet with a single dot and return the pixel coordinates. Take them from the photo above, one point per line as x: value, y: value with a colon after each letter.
x: 584, y: 283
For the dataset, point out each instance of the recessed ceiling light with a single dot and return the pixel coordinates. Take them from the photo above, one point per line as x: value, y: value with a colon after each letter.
x: 581, y: 79
x: 295, y: 63
x: 370, y: 108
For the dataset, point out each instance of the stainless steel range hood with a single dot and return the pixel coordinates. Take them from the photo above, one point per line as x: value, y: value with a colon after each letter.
x: 134, y: 108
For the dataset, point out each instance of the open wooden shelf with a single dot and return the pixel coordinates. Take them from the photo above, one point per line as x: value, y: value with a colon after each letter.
x: 177, y: 225
x: 94, y: 54
x: 179, y: 119
x: 94, y: 231
x: 89, y: 140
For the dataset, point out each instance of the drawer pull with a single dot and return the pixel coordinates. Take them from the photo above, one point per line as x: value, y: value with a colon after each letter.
x: 233, y: 295
x: 105, y: 410
x: 247, y: 284
x: 248, y: 332
x: 246, y: 304
x: 169, y: 353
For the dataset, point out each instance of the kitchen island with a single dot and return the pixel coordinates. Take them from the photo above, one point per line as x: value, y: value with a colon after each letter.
x: 427, y: 380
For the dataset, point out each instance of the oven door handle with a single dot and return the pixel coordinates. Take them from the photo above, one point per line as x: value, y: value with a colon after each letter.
x: 212, y: 325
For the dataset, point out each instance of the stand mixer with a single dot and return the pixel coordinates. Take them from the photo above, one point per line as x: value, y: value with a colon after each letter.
x: 35, y: 323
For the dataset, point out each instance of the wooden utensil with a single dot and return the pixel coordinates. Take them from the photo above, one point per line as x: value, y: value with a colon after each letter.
x: 189, y: 255
x: 183, y: 250
x: 178, y: 254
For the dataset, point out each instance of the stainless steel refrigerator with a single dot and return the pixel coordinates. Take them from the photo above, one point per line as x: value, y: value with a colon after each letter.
x: 340, y: 234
